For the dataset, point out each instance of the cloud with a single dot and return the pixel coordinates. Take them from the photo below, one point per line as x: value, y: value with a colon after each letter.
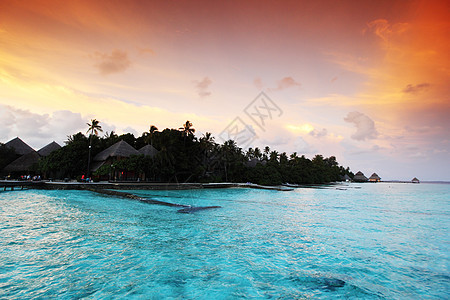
x: 115, y: 62
x: 7, y: 120
x: 385, y: 31
x: 414, y: 89
x: 303, y: 128
x: 423, y: 130
x: 286, y: 82
x: 318, y: 133
x: 302, y: 147
x: 131, y: 130
x: 365, y: 127
x: 202, y: 87
x: 38, y: 129
x: 143, y: 51
x: 17, y: 120
x: 258, y: 83
x: 275, y: 140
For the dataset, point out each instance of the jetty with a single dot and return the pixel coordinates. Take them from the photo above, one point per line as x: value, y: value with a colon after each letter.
x: 12, y: 184
x: 130, y: 185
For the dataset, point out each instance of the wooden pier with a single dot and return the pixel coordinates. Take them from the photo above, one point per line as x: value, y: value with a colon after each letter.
x: 73, y: 185
x: 11, y: 185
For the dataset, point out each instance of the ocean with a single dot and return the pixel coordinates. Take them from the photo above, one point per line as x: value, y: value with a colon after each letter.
x: 371, y: 241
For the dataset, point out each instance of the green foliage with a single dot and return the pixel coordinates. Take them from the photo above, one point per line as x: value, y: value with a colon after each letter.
x: 184, y: 158
x: 68, y: 161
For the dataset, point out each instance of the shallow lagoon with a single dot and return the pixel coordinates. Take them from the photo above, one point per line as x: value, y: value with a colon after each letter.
x: 377, y: 241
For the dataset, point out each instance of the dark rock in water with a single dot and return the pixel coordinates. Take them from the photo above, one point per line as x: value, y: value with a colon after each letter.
x: 318, y: 282
x: 189, y: 210
x: 132, y: 196
x: 331, y: 283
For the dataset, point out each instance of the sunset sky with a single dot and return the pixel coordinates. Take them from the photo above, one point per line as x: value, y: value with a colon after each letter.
x: 365, y: 81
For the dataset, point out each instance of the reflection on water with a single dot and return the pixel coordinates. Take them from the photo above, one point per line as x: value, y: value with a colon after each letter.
x: 382, y: 240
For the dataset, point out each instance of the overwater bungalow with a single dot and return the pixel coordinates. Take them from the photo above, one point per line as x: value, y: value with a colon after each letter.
x: 346, y: 178
x: 374, y: 178
x: 359, y: 177
x: 415, y: 180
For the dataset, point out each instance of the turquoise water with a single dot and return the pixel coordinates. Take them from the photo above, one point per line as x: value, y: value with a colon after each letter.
x: 377, y: 241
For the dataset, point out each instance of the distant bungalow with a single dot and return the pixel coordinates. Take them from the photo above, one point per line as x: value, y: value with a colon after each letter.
x: 346, y: 178
x: 359, y: 177
x: 374, y: 178
x: 415, y: 180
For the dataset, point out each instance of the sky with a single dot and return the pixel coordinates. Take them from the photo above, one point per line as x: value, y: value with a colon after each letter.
x: 365, y: 81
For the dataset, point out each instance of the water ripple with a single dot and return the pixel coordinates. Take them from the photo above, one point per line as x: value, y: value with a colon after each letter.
x: 370, y: 243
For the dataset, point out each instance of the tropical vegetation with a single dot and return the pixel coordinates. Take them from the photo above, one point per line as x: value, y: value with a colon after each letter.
x: 183, y: 157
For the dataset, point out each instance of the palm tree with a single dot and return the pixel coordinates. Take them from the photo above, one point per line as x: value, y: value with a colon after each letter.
x: 230, y: 151
x: 273, y: 156
x: 257, y: 153
x: 283, y: 158
x: 207, y: 142
x: 94, y: 128
x: 187, y: 129
x: 151, y: 133
x: 166, y: 163
x: 266, y: 153
x: 207, y: 145
x: 250, y: 153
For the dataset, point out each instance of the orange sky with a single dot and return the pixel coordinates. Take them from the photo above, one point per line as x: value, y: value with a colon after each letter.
x: 366, y: 81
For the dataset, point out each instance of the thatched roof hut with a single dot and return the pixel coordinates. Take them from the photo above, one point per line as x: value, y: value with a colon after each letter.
x: 148, y: 150
x: 119, y: 149
x: 415, y: 180
x: 45, y: 151
x: 23, y: 163
x: 374, y: 178
x: 359, y: 177
x: 19, y: 146
x: 346, y: 178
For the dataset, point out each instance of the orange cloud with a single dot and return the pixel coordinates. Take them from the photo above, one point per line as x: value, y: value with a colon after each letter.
x: 386, y: 31
x: 202, y: 87
x: 115, y: 62
x: 146, y: 51
x: 285, y: 83
x: 412, y: 74
x: 415, y: 88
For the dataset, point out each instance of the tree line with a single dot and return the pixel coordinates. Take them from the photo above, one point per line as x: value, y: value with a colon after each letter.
x: 183, y: 157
